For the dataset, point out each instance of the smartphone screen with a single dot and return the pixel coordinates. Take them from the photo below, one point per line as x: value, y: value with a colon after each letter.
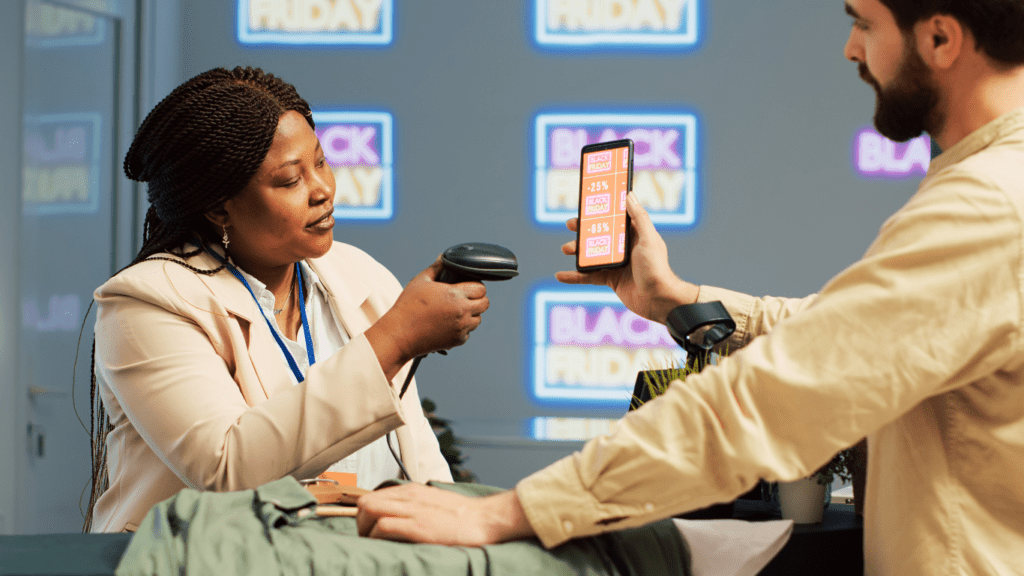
x: 606, y: 176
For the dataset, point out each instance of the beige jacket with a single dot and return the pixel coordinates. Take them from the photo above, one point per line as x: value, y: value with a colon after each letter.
x: 917, y: 344
x: 199, y: 394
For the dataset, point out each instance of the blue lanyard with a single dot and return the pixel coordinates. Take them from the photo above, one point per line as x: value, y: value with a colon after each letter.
x: 302, y: 311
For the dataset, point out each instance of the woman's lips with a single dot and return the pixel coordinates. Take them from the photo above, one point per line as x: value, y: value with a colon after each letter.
x: 326, y: 222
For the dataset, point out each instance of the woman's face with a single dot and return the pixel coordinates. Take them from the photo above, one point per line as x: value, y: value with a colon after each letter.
x: 285, y: 212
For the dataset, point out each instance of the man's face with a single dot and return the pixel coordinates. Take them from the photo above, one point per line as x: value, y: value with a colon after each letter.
x: 908, y: 105
x: 888, y: 60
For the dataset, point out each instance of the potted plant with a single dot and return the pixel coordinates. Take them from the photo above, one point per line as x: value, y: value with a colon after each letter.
x: 804, y: 500
x: 654, y: 382
x: 448, y: 443
x: 838, y: 467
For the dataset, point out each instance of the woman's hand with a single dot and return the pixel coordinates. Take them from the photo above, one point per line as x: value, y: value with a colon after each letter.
x: 428, y: 316
x: 647, y: 285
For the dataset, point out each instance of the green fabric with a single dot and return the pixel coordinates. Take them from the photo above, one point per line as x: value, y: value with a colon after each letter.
x: 264, y: 531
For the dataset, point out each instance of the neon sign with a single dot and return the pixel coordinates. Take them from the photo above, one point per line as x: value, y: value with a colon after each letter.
x: 664, y: 163
x: 54, y: 26
x: 62, y: 164
x: 587, y: 348
x: 312, y: 22
x: 569, y: 429
x: 876, y: 156
x: 616, y: 23
x: 358, y: 146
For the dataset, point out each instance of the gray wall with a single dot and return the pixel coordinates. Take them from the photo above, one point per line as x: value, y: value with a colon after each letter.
x: 781, y: 210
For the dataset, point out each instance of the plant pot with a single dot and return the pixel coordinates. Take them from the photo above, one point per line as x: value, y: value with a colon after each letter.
x: 803, y: 501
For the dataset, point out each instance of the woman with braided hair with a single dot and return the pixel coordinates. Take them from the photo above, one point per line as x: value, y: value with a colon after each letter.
x: 243, y: 344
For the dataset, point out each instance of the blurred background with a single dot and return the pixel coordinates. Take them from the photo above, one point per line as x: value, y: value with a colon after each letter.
x: 445, y: 122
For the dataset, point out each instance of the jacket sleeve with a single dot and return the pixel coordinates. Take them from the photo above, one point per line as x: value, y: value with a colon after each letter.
x: 754, y: 316
x: 932, y: 307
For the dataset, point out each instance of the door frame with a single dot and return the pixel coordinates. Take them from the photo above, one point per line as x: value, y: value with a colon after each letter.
x: 12, y: 29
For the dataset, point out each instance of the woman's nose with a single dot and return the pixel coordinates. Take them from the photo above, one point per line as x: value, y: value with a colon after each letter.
x: 323, y: 186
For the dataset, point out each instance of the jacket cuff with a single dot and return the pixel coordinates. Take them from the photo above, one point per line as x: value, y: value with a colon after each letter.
x: 552, y: 499
x: 740, y: 307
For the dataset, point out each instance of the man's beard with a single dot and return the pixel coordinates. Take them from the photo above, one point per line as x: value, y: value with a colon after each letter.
x: 909, y: 105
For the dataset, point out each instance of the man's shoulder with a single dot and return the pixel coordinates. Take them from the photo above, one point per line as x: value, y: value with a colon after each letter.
x: 999, y: 164
x: 989, y: 178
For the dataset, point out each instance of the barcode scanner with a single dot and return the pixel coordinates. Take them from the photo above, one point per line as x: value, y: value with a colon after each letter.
x: 477, y: 261
x: 474, y: 261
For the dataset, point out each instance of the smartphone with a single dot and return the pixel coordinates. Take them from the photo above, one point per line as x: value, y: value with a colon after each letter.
x: 606, y: 176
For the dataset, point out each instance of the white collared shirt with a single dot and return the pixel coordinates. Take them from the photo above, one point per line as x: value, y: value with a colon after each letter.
x: 373, y: 463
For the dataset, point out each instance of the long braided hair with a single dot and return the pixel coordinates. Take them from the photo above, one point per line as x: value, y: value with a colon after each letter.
x: 198, y: 147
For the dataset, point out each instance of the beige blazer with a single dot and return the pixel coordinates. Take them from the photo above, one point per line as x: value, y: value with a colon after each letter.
x: 200, y: 396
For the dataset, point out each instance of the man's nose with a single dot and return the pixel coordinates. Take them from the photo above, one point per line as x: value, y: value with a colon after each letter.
x: 854, y: 50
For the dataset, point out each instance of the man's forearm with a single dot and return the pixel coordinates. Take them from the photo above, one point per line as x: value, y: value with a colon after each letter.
x: 506, y: 519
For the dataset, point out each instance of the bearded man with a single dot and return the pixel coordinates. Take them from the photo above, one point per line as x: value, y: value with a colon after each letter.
x: 919, y: 345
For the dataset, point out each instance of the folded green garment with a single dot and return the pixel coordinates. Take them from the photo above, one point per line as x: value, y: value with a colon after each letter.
x: 263, y: 532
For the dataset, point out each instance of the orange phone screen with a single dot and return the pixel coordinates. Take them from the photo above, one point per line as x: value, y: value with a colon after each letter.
x: 604, y: 182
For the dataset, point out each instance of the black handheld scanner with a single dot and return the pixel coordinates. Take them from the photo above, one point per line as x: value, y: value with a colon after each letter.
x: 477, y: 261
x: 467, y: 262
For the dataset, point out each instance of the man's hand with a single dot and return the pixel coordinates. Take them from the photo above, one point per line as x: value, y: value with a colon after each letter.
x: 417, y: 513
x: 647, y: 285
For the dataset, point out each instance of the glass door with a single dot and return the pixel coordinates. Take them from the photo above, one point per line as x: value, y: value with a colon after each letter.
x: 66, y: 246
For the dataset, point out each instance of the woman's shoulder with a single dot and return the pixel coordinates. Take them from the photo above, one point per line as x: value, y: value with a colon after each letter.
x: 164, y: 275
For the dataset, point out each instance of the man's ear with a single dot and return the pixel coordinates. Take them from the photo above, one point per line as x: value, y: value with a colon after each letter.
x: 940, y: 40
x: 219, y: 216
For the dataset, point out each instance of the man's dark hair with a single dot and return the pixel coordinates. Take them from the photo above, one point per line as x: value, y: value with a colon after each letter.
x: 997, y: 25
